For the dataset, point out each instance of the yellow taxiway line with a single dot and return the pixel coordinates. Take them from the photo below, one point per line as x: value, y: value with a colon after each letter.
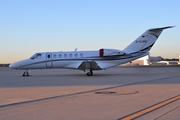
x: 150, y: 109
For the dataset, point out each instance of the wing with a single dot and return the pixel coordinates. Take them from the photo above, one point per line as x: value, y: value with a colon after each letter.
x: 89, y: 64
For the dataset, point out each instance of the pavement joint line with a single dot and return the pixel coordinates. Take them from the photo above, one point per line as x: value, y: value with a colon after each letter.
x: 167, y: 112
x: 77, y: 93
x: 150, y: 108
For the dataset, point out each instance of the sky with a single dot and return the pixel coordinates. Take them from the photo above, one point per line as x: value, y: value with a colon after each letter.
x: 31, y: 26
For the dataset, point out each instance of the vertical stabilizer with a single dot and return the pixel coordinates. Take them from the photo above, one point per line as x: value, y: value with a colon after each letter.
x: 145, y: 41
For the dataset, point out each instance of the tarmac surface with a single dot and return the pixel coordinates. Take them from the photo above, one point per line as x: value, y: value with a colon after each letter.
x: 141, y: 93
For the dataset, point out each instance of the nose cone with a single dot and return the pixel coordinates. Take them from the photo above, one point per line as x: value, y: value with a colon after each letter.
x: 19, y: 64
x: 13, y: 65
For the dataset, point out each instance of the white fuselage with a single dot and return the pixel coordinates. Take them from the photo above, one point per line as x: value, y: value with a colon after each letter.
x: 71, y: 60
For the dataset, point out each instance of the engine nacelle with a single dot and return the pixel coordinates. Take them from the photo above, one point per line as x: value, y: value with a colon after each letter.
x: 110, y: 52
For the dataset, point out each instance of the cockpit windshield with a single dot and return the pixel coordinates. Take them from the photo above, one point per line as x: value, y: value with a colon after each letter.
x: 36, y: 56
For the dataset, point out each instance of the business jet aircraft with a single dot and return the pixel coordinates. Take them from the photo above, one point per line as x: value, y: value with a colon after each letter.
x: 88, y: 61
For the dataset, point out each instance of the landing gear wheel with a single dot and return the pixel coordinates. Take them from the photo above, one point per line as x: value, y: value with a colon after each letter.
x: 89, y: 73
x: 25, y: 74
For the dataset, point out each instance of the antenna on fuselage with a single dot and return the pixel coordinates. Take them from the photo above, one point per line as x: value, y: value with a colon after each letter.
x: 75, y: 50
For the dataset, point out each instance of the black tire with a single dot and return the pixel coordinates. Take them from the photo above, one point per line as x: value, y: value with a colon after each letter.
x: 89, y: 73
x: 25, y: 74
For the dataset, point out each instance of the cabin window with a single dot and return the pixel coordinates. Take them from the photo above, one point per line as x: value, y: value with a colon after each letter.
x: 65, y: 55
x: 70, y: 55
x: 81, y: 55
x: 76, y: 55
x: 60, y: 55
x: 54, y: 55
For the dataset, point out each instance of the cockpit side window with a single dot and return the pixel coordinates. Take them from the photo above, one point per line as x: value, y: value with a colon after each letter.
x: 36, y: 56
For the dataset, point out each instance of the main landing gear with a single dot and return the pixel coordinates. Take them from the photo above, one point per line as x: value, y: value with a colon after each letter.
x: 90, y: 73
x: 26, y: 73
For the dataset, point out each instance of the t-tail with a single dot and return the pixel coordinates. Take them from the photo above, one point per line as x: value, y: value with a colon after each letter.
x: 145, y: 41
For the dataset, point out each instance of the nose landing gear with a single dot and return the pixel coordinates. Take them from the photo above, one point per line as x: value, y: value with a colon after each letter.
x: 26, y: 73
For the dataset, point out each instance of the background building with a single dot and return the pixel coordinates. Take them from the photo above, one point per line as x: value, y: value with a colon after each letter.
x: 151, y: 60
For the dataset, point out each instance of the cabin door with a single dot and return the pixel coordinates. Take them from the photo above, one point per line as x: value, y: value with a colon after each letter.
x: 49, y: 60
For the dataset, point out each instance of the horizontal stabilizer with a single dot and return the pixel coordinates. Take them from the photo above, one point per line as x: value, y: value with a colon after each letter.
x: 157, y: 29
